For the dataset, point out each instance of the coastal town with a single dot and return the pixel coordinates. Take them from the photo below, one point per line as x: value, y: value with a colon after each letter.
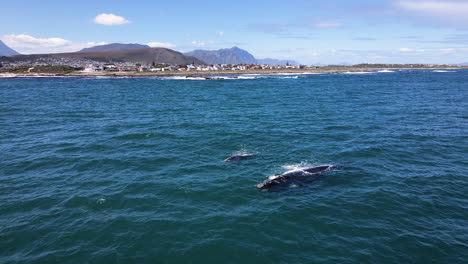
x: 122, y: 59
x: 88, y: 66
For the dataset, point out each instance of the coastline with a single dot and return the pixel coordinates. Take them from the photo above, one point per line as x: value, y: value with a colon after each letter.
x: 209, y: 74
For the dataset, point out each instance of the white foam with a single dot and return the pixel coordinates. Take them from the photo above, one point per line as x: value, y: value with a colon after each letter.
x: 284, y: 73
x: 357, y: 72
x: 242, y: 152
x: 231, y: 77
x: 272, y: 177
x: 174, y: 78
x: 385, y: 71
x: 283, y: 77
x: 298, y: 166
x: 301, y: 166
x: 195, y: 78
x: 184, y: 78
x: 442, y: 71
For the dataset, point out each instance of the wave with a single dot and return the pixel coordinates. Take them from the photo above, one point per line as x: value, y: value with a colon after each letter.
x: 357, y: 72
x: 302, y: 165
x: 442, y: 71
x: 240, y: 77
x: 184, y: 78
x: 289, y: 77
x: 283, y: 73
x: 296, y: 167
x: 385, y: 71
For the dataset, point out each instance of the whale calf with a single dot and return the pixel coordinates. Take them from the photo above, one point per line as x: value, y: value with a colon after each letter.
x: 238, y: 157
x: 298, y: 174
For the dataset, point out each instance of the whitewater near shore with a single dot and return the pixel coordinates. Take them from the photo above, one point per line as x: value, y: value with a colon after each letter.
x: 209, y: 74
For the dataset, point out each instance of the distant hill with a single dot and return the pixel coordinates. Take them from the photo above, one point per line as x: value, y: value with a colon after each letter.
x: 463, y: 64
x: 233, y: 55
x: 114, y: 47
x: 6, y: 51
x: 276, y: 62
x: 146, y: 56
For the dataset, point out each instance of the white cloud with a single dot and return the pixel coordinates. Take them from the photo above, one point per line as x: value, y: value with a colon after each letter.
x: 27, y: 41
x: 437, y: 12
x: 161, y: 45
x: 27, y: 44
x: 92, y: 44
x: 198, y: 43
x: 435, y: 7
x: 110, y: 20
x: 220, y: 33
x: 447, y: 50
x: 410, y: 50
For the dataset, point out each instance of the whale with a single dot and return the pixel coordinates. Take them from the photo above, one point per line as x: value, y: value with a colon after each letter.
x: 292, y: 175
x: 238, y: 157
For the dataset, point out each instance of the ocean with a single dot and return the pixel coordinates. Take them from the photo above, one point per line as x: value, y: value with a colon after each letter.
x: 131, y: 170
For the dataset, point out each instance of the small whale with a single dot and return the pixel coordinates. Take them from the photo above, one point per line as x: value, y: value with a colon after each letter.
x: 238, y: 157
x: 298, y: 174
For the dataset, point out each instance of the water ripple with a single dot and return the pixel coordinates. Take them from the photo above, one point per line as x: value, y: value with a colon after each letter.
x: 131, y: 170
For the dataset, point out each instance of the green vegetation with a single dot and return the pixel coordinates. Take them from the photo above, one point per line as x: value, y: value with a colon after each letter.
x: 45, y: 69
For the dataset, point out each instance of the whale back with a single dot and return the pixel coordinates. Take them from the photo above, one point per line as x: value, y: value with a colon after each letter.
x: 318, y: 169
x: 238, y: 157
x: 294, y: 174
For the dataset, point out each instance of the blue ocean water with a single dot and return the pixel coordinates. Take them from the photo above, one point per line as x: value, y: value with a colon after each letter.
x: 130, y: 170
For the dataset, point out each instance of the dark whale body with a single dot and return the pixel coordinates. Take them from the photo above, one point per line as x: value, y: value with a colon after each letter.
x: 238, y: 157
x: 299, y: 174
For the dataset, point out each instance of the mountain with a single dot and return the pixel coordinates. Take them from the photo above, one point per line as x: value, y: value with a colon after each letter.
x: 144, y: 56
x: 276, y: 62
x: 114, y: 47
x: 148, y: 55
x: 463, y: 64
x: 6, y: 51
x: 233, y: 55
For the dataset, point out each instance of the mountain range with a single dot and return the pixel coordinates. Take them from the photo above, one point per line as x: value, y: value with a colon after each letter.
x: 234, y: 55
x: 146, y: 56
x: 114, y: 47
x: 270, y: 61
x: 6, y: 51
x: 119, y: 52
x: 224, y: 56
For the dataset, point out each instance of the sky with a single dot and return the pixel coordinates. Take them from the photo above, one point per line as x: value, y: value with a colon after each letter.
x: 308, y: 31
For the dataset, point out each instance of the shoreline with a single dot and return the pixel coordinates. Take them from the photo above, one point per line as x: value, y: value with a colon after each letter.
x: 209, y: 74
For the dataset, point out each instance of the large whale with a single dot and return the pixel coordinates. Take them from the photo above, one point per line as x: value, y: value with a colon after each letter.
x: 238, y: 157
x: 298, y: 174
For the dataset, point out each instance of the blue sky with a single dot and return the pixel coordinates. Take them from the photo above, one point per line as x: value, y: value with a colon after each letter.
x: 311, y: 32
